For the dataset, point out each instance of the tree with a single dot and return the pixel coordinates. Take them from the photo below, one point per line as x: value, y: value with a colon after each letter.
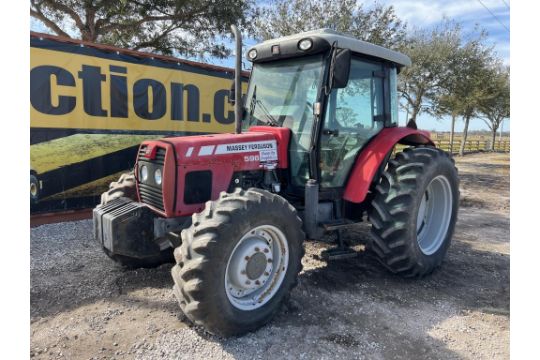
x: 462, y: 92
x: 473, y: 63
x: 190, y: 27
x: 495, y: 107
x: 447, y: 101
x: 378, y: 24
x: 431, y: 52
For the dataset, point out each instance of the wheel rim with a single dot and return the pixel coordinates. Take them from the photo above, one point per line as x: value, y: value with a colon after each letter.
x: 256, y: 267
x: 33, y: 189
x: 434, y: 214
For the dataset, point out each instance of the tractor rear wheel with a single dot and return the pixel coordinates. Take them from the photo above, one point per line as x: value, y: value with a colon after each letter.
x: 238, y: 261
x: 125, y: 187
x: 414, y: 211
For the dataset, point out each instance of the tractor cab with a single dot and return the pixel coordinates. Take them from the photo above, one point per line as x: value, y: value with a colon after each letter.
x: 332, y: 91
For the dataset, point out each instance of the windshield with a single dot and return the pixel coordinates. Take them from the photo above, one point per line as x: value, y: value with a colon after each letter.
x: 282, y: 93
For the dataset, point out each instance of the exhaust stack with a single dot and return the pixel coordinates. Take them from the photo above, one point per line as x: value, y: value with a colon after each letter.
x: 238, y: 80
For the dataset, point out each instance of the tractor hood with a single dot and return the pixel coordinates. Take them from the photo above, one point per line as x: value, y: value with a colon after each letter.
x: 260, y: 146
x: 176, y: 176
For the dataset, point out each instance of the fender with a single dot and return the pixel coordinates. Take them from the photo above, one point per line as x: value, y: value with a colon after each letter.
x: 371, y: 157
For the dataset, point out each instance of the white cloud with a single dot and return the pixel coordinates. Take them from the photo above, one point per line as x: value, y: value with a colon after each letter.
x: 422, y: 14
x: 425, y: 13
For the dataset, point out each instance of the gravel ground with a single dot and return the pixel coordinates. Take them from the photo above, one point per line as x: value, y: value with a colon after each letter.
x: 83, y: 306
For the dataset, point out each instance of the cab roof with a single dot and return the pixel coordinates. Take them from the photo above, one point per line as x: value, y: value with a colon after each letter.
x: 345, y: 42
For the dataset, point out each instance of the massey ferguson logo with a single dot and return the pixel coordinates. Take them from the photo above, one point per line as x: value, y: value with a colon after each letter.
x: 249, y: 147
x: 266, y: 150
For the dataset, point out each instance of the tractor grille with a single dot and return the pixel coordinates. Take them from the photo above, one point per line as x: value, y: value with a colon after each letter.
x: 150, y: 192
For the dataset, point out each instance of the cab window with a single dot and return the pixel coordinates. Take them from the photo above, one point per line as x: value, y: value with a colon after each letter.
x: 354, y: 114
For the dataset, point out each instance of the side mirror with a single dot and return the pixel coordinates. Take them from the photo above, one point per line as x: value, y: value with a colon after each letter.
x: 232, y: 93
x: 340, y: 68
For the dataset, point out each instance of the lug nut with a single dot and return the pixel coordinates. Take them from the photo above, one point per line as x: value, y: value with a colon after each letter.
x: 243, y: 272
x: 248, y: 282
x: 269, y: 260
x: 246, y: 258
x: 257, y: 282
x: 257, y: 249
x: 266, y: 250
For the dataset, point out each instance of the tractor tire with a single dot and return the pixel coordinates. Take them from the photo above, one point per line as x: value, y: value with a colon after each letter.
x: 238, y: 261
x: 414, y: 211
x: 124, y: 187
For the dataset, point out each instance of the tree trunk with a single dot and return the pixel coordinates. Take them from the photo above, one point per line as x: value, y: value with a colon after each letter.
x: 414, y: 114
x: 452, y: 133
x: 493, y: 136
x: 407, y: 117
x: 465, y: 130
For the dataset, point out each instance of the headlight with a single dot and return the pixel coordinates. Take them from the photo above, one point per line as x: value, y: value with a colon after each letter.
x: 252, y: 54
x: 144, y: 173
x: 157, y: 176
x: 305, y: 44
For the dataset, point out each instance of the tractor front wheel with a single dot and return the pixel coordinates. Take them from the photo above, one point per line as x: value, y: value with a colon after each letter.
x: 124, y: 187
x: 414, y: 211
x: 238, y: 261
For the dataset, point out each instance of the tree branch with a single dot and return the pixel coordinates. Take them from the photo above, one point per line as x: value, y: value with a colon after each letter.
x: 152, y: 42
x: 65, y: 9
x: 117, y: 26
x: 493, y: 126
x: 49, y: 23
x: 151, y: 18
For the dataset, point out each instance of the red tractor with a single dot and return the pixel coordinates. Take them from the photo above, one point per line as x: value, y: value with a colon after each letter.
x: 312, y: 154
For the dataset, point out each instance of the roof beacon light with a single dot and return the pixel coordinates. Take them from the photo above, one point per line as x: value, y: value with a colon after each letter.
x: 252, y: 54
x: 305, y: 44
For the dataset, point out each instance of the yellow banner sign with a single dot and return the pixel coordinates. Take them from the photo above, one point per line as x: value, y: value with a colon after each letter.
x: 78, y: 91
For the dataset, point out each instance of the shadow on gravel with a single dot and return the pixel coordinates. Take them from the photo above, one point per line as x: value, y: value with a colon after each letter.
x: 469, y: 278
x: 64, y: 294
x: 68, y: 269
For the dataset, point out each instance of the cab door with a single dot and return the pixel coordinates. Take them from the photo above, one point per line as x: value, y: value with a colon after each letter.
x: 354, y: 114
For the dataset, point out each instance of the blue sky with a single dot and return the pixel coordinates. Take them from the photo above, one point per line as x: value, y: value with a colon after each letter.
x: 426, y: 14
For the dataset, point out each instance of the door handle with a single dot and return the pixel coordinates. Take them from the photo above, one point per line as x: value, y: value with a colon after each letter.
x: 330, y: 132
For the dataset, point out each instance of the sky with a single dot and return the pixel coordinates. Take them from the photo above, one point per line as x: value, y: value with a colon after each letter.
x: 491, y: 15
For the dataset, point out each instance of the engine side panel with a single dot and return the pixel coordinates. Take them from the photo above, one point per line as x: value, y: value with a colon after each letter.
x: 371, y: 157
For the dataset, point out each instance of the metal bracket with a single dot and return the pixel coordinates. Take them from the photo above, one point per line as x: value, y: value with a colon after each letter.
x: 163, y: 226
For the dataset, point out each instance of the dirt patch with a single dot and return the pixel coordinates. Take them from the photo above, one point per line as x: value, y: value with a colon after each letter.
x: 85, y: 307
